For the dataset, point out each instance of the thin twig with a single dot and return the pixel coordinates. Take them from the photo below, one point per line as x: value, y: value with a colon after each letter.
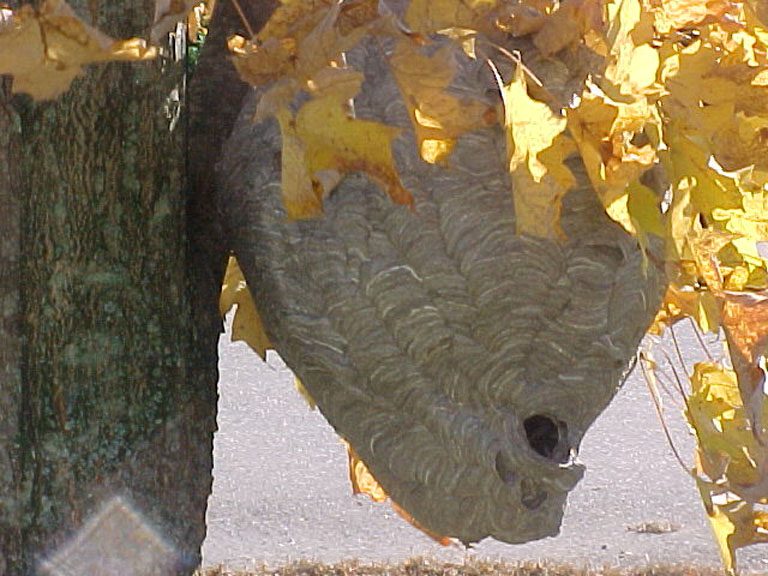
x: 517, y: 59
x: 247, y: 25
x: 677, y: 348
x: 666, y: 386
x: 660, y: 413
x: 700, y: 339
x: 678, y: 381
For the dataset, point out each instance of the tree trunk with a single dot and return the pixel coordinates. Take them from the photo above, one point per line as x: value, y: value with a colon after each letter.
x: 10, y: 334
x: 108, y: 385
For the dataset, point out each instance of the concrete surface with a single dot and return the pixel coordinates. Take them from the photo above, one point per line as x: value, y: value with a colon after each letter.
x: 281, y: 492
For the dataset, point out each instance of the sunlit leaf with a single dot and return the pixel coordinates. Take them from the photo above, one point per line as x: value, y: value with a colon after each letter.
x: 246, y: 325
x: 335, y: 140
x: 732, y: 464
x: 45, y: 49
x: 299, y: 386
x: 680, y: 14
x: 427, y: 16
x: 537, y: 147
x: 438, y: 117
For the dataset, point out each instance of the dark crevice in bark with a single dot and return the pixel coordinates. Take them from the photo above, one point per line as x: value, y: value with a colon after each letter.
x: 216, y: 94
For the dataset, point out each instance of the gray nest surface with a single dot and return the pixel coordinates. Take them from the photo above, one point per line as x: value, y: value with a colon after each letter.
x: 462, y: 361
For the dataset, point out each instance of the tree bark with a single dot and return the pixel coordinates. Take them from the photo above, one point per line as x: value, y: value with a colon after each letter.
x: 10, y: 332
x: 108, y: 388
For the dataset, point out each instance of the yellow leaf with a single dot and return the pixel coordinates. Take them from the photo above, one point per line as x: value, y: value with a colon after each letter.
x: 45, y: 49
x: 300, y: 198
x: 429, y: 16
x: 749, y: 223
x: 729, y: 452
x: 644, y: 209
x: 604, y: 131
x: 302, y: 38
x: 537, y: 205
x: 361, y: 479
x: 246, y: 325
x: 679, y: 14
x: 334, y: 140
x: 536, y: 149
x: 736, y: 525
x: 299, y: 386
x: 532, y: 127
x: 438, y: 117
x: 618, y: 211
x: 705, y: 244
x: 633, y: 63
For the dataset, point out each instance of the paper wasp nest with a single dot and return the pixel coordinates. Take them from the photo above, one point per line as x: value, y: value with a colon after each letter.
x: 462, y: 361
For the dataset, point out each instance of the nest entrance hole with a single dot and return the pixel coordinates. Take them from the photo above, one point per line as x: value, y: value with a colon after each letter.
x: 547, y: 436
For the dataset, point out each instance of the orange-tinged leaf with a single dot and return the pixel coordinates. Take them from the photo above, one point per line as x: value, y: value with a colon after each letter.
x: 567, y: 24
x: 45, y: 49
x: 361, y: 479
x: 246, y: 325
x: 677, y: 304
x: 298, y: 18
x: 327, y: 41
x: 442, y: 540
x: 259, y: 64
x: 363, y: 482
x: 526, y: 18
x: 745, y: 319
x: 684, y: 302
